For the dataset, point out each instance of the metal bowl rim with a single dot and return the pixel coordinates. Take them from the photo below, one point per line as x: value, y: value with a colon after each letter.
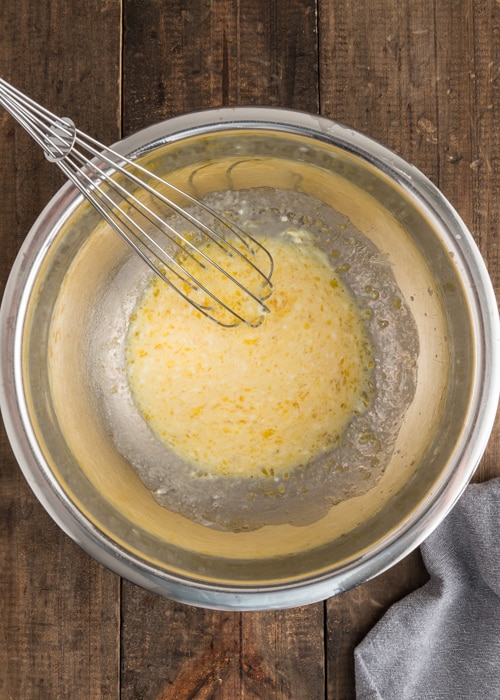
x: 425, y: 518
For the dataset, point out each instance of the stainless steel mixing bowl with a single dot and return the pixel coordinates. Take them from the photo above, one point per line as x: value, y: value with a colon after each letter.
x: 71, y: 280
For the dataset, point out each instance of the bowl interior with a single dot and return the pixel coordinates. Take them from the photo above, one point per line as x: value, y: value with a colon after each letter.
x: 87, y: 278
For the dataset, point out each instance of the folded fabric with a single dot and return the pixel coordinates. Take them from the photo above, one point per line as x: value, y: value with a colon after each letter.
x: 443, y: 640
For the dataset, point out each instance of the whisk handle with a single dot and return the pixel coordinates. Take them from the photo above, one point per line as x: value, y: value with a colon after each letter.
x: 56, y: 135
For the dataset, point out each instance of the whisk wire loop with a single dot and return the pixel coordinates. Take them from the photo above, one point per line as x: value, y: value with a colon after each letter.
x: 122, y: 221
x: 189, y: 245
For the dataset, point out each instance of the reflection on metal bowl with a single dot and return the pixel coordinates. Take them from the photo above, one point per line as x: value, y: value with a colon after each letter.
x: 88, y: 454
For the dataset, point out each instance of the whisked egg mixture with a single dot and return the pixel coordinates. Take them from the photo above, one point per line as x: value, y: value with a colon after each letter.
x: 254, y: 402
x: 237, y: 428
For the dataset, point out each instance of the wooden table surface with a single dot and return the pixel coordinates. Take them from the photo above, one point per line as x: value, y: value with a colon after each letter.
x: 423, y: 77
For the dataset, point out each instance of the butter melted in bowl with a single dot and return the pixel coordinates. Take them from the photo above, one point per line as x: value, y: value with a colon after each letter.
x: 237, y: 428
x: 262, y: 531
x: 248, y: 402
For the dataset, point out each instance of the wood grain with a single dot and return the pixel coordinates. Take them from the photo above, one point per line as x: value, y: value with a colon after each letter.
x: 477, y: 94
x: 351, y: 615
x: 59, y: 609
x: 424, y: 79
x: 227, y: 53
x: 188, y: 55
x: 429, y: 94
x: 172, y: 651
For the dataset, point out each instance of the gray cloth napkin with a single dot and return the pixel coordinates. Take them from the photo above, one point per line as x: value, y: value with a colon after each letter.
x: 443, y: 641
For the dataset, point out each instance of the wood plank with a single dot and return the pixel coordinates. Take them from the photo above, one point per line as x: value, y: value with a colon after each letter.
x: 59, y: 609
x: 59, y: 621
x: 353, y: 614
x: 378, y: 74
x: 420, y: 77
x: 473, y: 184
x: 282, y: 654
x: 200, y: 55
x: 173, y: 651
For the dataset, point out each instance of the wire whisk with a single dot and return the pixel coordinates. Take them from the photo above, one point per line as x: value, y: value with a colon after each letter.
x: 209, y: 260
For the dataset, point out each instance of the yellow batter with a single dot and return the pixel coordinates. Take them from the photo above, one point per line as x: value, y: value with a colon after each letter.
x: 253, y: 401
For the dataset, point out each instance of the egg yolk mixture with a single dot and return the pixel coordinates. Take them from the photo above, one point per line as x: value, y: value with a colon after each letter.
x: 253, y: 402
